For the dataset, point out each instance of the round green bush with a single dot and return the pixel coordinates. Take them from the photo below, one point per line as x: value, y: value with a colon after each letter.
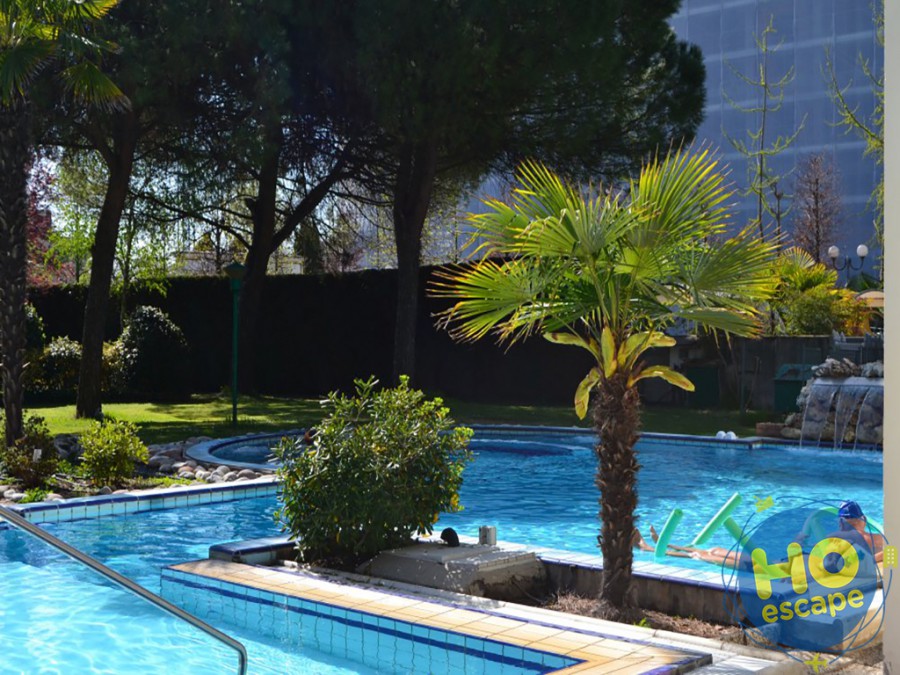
x: 154, y: 356
x: 381, y: 466
x: 111, y: 449
x: 57, y: 372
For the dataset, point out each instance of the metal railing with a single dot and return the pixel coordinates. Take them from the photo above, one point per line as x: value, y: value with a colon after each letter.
x: 126, y: 583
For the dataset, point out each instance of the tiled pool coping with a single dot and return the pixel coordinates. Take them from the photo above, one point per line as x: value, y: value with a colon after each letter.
x: 145, y: 500
x: 597, y: 651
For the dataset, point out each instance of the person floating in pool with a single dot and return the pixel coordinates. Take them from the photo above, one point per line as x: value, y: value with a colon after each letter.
x: 716, y: 554
x: 853, y: 526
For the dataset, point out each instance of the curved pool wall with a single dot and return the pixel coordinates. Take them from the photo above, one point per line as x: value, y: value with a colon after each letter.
x: 245, y: 452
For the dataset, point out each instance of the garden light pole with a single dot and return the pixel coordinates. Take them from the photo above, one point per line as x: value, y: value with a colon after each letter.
x: 834, y: 253
x: 235, y: 272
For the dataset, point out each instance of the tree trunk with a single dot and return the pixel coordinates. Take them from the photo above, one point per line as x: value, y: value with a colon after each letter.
x: 617, y: 421
x: 412, y: 196
x: 119, y: 164
x: 15, y: 146
x: 262, y: 211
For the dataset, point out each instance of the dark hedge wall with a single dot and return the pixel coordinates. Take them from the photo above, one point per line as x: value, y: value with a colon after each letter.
x: 319, y: 333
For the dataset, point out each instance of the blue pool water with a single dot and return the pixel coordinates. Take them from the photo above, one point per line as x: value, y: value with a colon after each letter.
x: 539, y: 488
x: 536, y: 488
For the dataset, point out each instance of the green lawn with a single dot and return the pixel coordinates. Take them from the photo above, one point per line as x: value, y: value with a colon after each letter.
x: 210, y: 415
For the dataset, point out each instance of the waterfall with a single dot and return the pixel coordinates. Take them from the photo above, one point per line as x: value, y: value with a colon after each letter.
x: 818, y: 405
x: 849, y: 398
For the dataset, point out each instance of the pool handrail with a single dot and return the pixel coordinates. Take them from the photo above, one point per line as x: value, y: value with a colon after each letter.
x: 17, y: 520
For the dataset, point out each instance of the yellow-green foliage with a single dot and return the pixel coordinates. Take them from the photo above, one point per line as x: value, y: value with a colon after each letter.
x: 381, y: 466
x: 110, y: 450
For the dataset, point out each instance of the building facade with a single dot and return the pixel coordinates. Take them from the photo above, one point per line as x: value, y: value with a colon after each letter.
x: 806, y: 33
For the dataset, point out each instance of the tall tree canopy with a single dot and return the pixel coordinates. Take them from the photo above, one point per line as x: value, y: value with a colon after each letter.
x: 471, y: 86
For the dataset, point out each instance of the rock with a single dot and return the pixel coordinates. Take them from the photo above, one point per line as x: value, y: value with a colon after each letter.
x: 200, y: 474
x: 240, y: 479
x: 14, y: 496
x: 222, y: 470
x: 53, y: 497
x: 185, y: 471
x: 230, y: 476
x: 214, y: 478
x: 4, y: 488
x: 769, y: 429
x: 105, y: 490
x: 157, y: 460
x: 67, y: 446
x: 120, y: 492
x: 791, y: 433
x: 249, y: 474
x: 166, y: 468
x: 873, y: 369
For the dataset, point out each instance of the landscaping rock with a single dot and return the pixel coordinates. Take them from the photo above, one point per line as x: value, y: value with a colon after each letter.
x: 53, y: 497
x: 14, y: 496
x: 249, y: 474
x: 214, y: 478
x: 230, y: 476
x: 105, y: 490
x: 222, y: 470
x: 67, y: 446
x: 166, y: 468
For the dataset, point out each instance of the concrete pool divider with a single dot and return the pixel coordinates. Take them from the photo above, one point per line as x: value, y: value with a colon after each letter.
x: 602, y: 646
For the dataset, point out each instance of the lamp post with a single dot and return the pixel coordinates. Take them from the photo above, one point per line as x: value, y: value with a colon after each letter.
x: 235, y: 271
x: 834, y: 253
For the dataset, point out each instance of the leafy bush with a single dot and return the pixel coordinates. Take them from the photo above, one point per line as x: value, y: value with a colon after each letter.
x: 112, y: 373
x: 57, y: 372
x: 33, y: 458
x: 110, y: 450
x: 34, y: 495
x: 820, y: 310
x: 154, y: 355
x: 381, y: 466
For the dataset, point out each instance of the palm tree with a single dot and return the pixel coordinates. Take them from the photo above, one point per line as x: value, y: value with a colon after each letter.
x: 34, y: 35
x: 609, y: 274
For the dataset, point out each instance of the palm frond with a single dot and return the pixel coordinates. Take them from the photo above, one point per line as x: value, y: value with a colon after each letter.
x: 90, y: 86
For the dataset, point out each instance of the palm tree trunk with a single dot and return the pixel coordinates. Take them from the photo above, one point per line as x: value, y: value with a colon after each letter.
x: 15, y: 146
x: 617, y: 421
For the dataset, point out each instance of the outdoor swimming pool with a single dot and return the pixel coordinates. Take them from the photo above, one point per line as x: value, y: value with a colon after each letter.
x: 537, y: 486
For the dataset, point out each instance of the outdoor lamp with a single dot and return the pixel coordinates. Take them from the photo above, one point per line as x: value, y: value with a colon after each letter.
x: 834, y: 253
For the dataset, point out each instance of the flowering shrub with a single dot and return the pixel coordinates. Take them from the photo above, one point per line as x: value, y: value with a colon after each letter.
x: 381, y: 466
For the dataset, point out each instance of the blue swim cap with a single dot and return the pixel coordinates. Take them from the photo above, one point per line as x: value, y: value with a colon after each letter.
x: 850, y: 510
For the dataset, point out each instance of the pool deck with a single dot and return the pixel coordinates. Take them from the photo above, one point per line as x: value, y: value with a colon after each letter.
x: 602, y: 647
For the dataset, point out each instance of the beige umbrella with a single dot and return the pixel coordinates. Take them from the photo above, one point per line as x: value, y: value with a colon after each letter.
x: 872, y: 298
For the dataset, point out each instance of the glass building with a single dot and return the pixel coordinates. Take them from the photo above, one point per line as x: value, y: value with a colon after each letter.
x: 806, y: 32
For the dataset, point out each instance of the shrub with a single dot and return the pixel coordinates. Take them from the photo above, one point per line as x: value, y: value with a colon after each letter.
x: 57, y: 372
x: 33, y: 458
x: 820, y: 310
x: 154, y: 355
x: 112, y: 374
x: 34, y: 495
x: 381, y: 466
x: 110, y: 450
